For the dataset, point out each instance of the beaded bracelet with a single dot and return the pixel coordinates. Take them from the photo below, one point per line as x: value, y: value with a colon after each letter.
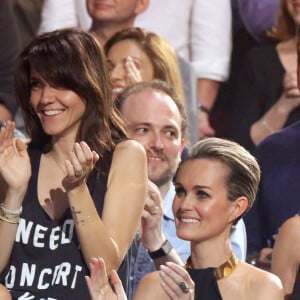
x: 11, y: 212
x: 10, y: 221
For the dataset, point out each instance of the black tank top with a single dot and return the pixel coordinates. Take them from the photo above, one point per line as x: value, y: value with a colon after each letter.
x: 46, y: 261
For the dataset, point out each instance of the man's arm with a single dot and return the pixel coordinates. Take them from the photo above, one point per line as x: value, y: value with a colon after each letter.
x: 211, y: 50
x: 153, y: 237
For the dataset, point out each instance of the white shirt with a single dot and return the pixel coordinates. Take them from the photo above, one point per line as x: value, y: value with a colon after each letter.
x: 199, y: 31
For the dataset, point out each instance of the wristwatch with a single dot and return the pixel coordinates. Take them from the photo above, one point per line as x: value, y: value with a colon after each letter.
x: 162, y: 251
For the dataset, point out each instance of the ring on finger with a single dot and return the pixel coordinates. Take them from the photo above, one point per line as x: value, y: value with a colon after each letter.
x: 78, y: 173
x: 184, y: 287
x: 154, y: 210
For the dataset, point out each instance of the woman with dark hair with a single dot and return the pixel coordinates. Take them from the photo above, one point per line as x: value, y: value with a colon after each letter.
x: 76, y: 192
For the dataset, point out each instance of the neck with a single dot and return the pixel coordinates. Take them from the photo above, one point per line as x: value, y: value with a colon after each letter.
x: 210, y: 254
x: 61, y: 149
x: 164, y: 189
x: 104, y: 31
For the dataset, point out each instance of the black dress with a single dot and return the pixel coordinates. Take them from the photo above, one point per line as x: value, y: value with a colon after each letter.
x: 206, y: 287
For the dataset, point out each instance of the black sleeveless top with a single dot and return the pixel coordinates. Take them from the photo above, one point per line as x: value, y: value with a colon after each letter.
x: 206, y: 287
x: 46, y: 261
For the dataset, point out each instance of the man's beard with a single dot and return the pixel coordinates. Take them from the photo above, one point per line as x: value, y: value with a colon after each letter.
x: 164, y: 178
x: 167, y: 174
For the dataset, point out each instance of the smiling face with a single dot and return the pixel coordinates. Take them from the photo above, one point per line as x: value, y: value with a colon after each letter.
x: 153, y: 119
x: 116, y: 58
x: 59, y: 110
x: 293, y: 7
x: 201, y: 207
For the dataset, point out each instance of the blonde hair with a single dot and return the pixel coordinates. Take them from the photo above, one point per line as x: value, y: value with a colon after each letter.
x: 244, y: 172
x: 160, y: 53
x: 285, y: 28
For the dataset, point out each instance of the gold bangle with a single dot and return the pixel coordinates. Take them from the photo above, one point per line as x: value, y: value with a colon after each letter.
x: 10, y: 221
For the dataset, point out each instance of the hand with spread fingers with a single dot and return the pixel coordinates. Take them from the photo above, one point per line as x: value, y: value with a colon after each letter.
x: 82, y: 161
x: 99, y: 286
x: 15, y: 167
x: 152, y: 235
x: 177, y: 283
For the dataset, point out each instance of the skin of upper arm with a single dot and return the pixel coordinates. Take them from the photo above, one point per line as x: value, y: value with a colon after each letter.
x: 149, y: 288
x: 286, y: 257
x: 126, y: 192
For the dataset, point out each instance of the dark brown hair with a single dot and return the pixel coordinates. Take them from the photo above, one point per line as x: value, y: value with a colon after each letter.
x: 74, y: 60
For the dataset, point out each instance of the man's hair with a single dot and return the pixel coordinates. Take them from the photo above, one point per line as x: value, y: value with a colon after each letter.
x: 155, y: 85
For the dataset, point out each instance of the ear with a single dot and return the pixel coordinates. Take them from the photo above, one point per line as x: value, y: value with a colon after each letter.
x: 239, y: 206
x: 142, y: 5
x: 182, y: 145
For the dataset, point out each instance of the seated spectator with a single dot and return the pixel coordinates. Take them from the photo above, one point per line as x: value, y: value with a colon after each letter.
x: 279, y: 190
x: 162, y: 135
x: 80, y: 175
x: 286, y: 257
x: 265, y: 104
x: 135, y: 54
x: 206, y: 205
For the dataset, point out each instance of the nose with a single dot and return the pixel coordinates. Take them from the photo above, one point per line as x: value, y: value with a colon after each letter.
x: 118, y: 73
x: 156, y: 141
x: 47, y: 95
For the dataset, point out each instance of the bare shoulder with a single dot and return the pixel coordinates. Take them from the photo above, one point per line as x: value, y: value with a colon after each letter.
x: 149, y: 288
x: 291, y: 228
x: 263, y: 284
x: 129, y: 150
x: 130, y: 145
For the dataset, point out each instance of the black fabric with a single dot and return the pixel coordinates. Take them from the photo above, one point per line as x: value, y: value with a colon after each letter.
x: 46, y: 261
x: 206, y: 287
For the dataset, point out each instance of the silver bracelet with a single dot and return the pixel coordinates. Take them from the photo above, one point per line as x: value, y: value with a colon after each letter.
x: 11, y: 212
x: 267, y: 126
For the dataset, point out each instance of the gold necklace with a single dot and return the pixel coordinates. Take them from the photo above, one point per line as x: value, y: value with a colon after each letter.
x: 58, y: 163
x: 223, y: 270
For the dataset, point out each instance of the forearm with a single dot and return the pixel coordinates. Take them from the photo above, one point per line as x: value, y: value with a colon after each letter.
x: 95, y: 240
x: 207, y: 91
x: 272, y: 121
x: 9, y: 225
x: 155, y: 243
